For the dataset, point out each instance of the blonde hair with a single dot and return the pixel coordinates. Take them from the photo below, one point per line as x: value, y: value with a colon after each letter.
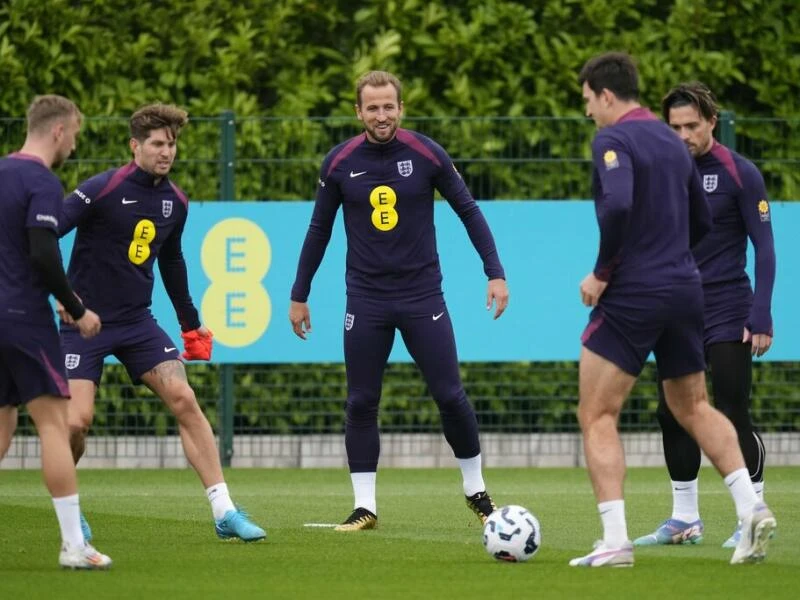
x: 46, y: 109
x: 378, y: 79
x: 157, y: 116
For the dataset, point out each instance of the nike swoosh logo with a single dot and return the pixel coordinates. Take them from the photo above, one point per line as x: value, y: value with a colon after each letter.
x: 129, y: 201
x: 356, y: 174
x: 170, y: 349
x: 437, y: 317
x: 682, y: 489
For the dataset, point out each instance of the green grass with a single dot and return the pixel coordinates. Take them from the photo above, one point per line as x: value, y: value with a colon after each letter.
x: 157, y: 527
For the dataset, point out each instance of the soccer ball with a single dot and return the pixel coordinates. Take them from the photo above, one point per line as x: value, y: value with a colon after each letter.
x: 512, y: 533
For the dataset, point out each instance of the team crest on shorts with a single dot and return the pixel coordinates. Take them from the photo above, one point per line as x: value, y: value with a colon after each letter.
x: 348, y: 321
x: 166, y: 208
x: 406, y: 167
x: 710, y: 183
x: 71, y: 361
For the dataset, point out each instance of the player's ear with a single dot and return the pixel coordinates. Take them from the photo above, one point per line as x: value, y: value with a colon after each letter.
x: 134, y: 144
x: 607, y: 96
x: 58, y: 130
x: 358, y: 112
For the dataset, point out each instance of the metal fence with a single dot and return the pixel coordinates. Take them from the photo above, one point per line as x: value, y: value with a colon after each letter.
x: 257, y: 158
x: 293, y: 415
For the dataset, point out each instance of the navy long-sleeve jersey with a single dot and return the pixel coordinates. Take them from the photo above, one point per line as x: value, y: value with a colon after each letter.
x: 31, y: 197
x: 386, y: 192
x: 650, y: 204
x: 126, y: 219
x: 740, y: 208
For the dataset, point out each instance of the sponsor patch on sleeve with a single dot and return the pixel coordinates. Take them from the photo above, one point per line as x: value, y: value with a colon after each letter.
x: 610, y: 160
x: 763, y: 211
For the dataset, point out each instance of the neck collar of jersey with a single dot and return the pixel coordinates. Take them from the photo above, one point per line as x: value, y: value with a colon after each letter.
x: 380, y: 146
x: 640, y: 113
x: 142, y: 177
x: 26, y: 156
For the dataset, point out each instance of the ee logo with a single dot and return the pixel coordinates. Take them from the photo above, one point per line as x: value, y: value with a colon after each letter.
x: 236, y: 255
x: 383, y: 200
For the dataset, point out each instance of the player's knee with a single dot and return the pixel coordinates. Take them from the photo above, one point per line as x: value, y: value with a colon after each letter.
x: 183, y: 402
x: 79, y: 423
x: 5, y: 440
x: 451, y: 399
x: 595, y: 410
x: 685, y: 399
x: 586, y: 416
x: 362, y: 405
x: 665, y: 417
x: 739, y: 417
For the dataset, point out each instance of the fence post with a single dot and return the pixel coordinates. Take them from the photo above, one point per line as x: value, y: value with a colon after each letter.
x: 727, y: 128
x: 226, y: 415
x: 227, y: 192
x: 227, y: 157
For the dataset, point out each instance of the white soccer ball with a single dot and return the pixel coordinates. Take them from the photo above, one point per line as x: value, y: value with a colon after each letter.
x: 512, y: 533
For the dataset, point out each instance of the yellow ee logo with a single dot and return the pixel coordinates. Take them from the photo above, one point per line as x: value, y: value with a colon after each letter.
x: 143, y: 234
x: 384, y: 217
x: 236, y: 255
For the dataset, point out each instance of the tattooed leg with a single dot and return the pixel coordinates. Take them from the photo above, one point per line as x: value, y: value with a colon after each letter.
x: 168, y: 381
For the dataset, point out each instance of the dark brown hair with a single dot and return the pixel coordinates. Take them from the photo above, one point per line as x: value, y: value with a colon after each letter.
x: 613, y: 71
x: 157, y: 116
x: 692, y: 93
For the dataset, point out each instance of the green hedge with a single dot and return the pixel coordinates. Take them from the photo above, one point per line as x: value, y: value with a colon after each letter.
x: 508, y: 397
x: 300, y: 58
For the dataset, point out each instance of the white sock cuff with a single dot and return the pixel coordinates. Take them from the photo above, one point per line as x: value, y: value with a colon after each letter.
x: 611, y: 505
x: 734, y: 475
x: 217, y: 489
x: 691, y: 485
x: 66, y: 500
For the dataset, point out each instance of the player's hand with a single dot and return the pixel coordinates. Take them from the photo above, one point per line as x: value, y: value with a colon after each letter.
x: 591, y: 289
x: 63, y: 314
x: 300, y: 318
x: 497, y: 292
x: 197, y: 344
x: 760, y: 342
x: 89, y: 324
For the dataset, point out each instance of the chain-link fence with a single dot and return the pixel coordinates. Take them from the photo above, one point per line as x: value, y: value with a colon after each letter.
x: 257, y: 158
x: 293, y: 415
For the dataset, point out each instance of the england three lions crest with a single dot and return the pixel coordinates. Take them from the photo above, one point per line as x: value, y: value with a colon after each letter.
x: 71, y: 361
x: 406, y: 167
x: 348, y: 321
x: 710, y: 183
x: 166, y: 208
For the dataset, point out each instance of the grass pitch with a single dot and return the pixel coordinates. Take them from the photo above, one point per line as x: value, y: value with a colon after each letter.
x: 157, y: 527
